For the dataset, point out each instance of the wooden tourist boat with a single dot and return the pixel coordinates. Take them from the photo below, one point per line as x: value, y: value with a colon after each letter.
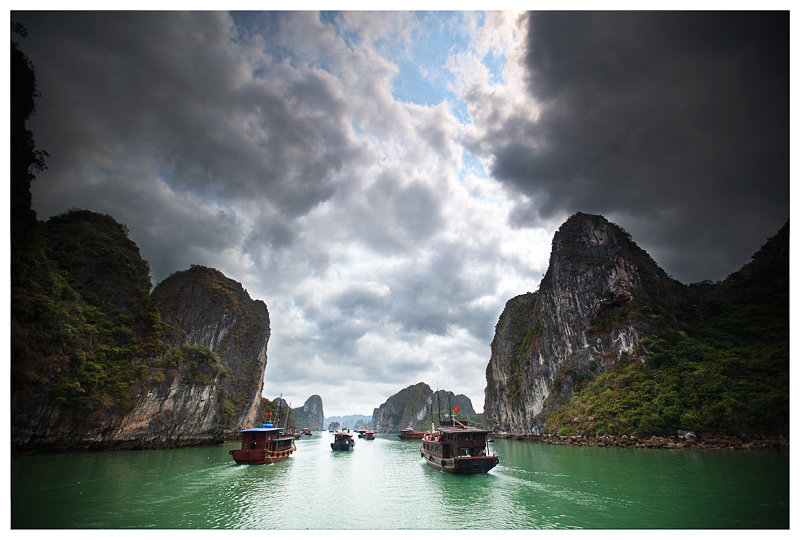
x: 409, y: 433
x: 343, y: 440
x: 265, y: 444
x: 458, y: 448
x: 369, y: 435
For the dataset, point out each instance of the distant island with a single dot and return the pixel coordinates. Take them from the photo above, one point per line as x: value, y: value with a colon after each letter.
x: 352, y: 421
x: 418, y: 407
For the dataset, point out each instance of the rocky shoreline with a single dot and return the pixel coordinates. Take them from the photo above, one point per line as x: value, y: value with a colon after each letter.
x: 711, y: 442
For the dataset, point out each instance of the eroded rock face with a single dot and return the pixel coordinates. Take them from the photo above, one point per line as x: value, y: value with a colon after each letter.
x: 313, y: 408
x: 213, y: 311
x: 600, y: 296
x: 174, y: 416
x: 201, y: 386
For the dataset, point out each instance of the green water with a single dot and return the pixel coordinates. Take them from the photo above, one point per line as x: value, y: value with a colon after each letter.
x: 384, y: 484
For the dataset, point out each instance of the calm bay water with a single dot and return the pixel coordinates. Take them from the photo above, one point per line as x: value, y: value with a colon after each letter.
x: 384, y: 484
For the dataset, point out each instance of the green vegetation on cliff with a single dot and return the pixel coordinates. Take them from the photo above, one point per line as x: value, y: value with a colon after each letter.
x: 83, y: 326
x: 531, y: 336
x: 277, y: 412
x: 723, y: 367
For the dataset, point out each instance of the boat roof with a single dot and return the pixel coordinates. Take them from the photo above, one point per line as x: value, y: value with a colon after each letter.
x: 454, y: 426
x: 466, y: 429
x: 263, y: 429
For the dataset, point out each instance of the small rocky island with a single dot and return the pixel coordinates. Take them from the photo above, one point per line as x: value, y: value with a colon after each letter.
x: 418, y: 404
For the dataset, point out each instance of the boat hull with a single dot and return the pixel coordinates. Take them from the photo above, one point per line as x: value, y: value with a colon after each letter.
x: 341, y: 446
x: 461, y: 465
x: 260, y: 457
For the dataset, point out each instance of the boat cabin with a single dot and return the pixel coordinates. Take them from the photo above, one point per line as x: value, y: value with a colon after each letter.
x: 265, y: 444
x: 343, y: 440
x: 458, y: 448
x: 450, y: 442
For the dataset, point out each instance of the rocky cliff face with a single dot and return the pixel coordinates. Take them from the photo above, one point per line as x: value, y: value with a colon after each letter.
x: 310, y: 415
x: 209, y: 398
x: 312, y: 408
x: 413, y: 405
x: 600, y: 296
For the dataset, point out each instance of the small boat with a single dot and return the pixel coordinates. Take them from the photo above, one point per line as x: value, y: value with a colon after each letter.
x: 343, y: 440
x: 265, y: 444
x: 360, y: 433
x: 369, y: 435
x: 458, y: 448
x: 410, y: 433
x: 306, y: 433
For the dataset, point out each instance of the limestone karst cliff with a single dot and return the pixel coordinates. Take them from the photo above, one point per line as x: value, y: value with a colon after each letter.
x: 547, y: 335
x: 98, y: 362
x: 213, y: 311
x: 413, y: 405
x: 604, y: 307
x: 310, y: 415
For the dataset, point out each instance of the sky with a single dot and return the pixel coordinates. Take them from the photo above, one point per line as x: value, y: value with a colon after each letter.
x: 387, y: 181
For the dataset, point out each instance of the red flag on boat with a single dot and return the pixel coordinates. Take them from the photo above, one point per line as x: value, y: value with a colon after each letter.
x: 456, y: 408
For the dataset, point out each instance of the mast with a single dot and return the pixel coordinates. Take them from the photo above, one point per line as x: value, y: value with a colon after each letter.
x: 449, y: 406
x: 439, y: 406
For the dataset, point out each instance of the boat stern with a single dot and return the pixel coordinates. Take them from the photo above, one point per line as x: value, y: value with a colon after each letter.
x: 473, y: 465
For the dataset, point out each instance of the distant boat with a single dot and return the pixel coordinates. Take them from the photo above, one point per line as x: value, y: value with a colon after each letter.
x: 458, y: 448
x: 409, y: 433
x: 369, y: 435
x: 265, y: 444
x: 306, y: 433
x: 343, y: 440
x: 361, y: 433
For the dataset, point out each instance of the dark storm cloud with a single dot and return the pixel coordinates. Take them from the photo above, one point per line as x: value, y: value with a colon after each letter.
x: 675, y: 125
x: 178, y: 90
